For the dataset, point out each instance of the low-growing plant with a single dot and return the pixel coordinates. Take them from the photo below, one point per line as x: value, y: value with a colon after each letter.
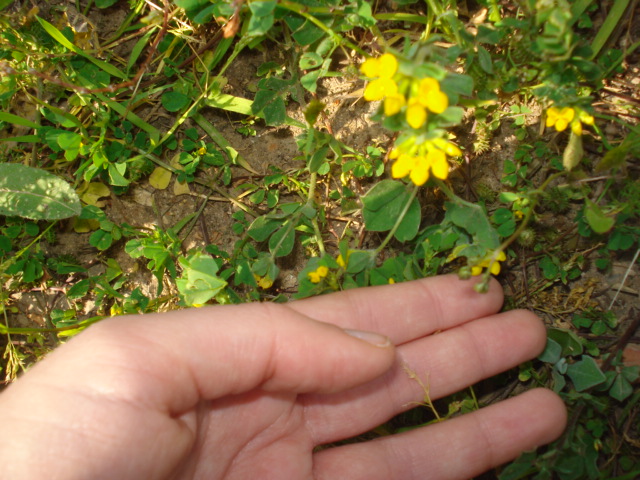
x: 416, y: 203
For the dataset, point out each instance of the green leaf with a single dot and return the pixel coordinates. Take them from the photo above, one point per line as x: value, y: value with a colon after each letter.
x: 105, y: 3
x: 621, y: 389
x: 596, y: 218
x: 382, y: 194
x: 174, y: 101
x: 383, y: 204
x: 473, y: 219
x: 262, y: 227
x: 484, y: 58
x: 282, y: 241
x: 62, y: 40
x: 70, y: 142
x: 360, y: 260
x: 569, y: 341
x: 270, y: 105
x: 307, y: 33
x: 552, y: 352
x: 410, y: 224
x: 34, y: 193
x: 259, y: 26
x: 457, y: 84
x: 16, y: 120
x: 309, y: 60
x: 199, y: 283
x: 101, y: 239
x: 585, y: 374
x: 116, y: 174
x: 310, y: 80
x: 318, y: 158
x: 79, y: 290
x: 262, y: 8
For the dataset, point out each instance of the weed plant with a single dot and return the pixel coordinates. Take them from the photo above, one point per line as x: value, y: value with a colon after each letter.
x: 446, y: 78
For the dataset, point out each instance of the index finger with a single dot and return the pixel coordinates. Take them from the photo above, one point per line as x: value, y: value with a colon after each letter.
x: 405, y: 311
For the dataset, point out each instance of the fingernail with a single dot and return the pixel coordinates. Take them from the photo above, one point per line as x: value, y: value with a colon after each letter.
x: 373, y: 338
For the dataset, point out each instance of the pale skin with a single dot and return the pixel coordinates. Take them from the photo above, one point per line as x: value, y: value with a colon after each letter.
x: 248, y: 391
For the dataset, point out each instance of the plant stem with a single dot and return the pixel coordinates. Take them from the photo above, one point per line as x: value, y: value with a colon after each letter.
x: 310, y: 201
x: 403, y: 213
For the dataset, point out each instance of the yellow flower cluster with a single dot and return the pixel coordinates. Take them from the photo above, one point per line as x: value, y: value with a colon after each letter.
x: 423, y: 95
x: 489, y: 262
x: 419, y: 161
x: 561, y: 118
x: 318, y: 274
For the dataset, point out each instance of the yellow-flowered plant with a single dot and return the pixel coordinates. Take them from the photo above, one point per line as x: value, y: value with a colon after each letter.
x: 419, y: 161
x: 561, y: 118
x: 416, y: 96
x: 318, y: 274
x: 489, y: 262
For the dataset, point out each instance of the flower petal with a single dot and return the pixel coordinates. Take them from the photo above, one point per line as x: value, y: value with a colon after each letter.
x: 402, y: 166
x: 420, y: 172
x: 393, y: 104
x: 439, y: 166
x: 495, y: 268
x: 371, y: 68
x: 576, y: 127
x: 476, y: 270
x: 388, y: 66
x: 375, y: 90
x: 437, y: 101
x: 416, y: 114
x: 561, y: 124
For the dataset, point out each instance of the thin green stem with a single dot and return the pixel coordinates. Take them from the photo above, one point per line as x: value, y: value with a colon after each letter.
x: 303, y: 10
x: 5, y: 329
x: 12, y: 260
x: 310, y: 201
x: 399, y: 220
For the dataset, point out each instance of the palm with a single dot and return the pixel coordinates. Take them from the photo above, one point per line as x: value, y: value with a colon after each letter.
x: 251, y: 436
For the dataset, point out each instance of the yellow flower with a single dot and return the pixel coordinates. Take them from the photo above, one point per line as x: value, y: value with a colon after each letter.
x: 585, y: 118
x: 489, y: 262
x: 581, y: 117
x: 384, y: 66
x: 382, y: 69
x: 380, y: 88
x: 567, y: 116
x: 421, y: 161
x: 340, y: 261
x: 263, y: 282
x: 416, y: 113
x: 391, y: 281
x: 438, y: 163
x: 393, y: 104
x: 560, y: 117
x: 318, y: 274
x: 447, y: 147
x: 431, y: 97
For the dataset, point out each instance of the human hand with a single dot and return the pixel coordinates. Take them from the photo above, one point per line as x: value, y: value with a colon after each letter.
x: 248, y: 391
